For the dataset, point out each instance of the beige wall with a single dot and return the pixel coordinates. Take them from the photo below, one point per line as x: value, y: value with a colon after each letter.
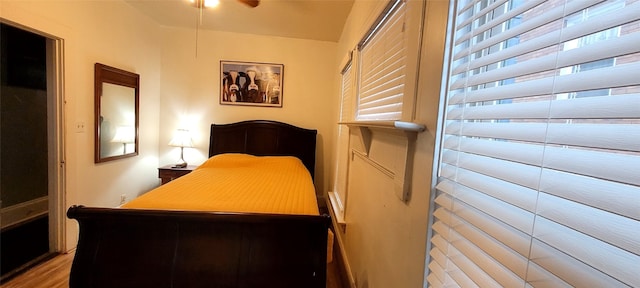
x: 190, y: 88
x: 385, y: 238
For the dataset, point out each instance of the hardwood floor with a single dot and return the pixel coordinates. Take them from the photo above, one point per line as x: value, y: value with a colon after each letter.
x: 54, y: 273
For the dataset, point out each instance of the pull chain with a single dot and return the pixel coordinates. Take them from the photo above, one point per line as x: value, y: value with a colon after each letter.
x: 200, y: 6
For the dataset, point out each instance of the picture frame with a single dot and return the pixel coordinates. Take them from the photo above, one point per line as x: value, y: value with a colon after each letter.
x: 251, y: 84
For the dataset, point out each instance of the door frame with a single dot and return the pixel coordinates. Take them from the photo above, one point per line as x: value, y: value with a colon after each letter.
x: 55, y: 135
x: 55, y: 139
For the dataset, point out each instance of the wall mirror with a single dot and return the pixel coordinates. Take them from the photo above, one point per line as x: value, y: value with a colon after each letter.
x: 116, y: 113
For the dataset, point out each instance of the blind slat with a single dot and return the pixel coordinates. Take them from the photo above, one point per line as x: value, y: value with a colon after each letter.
x: 603, y: 107
x: 483, y: 277
x: 621, y: 137
x: 467, y: 274
x: 530, y: 132
x: 513, y: 194
x: 433, y: 280
x: 616, y: 167
x: 507, y: 214
x: 506, y: 257
x: 621, y: 198
x: 602, y: 50
x: 517, y: 90
x: 507, y: 235
x: 392, y: 86
x: 484, y: 11
x: 589, y: 80
x: 535, y: 22
x: 625, y: 75
x: 382, y: 106
x: 525, y: 153
x: 377, y: 66
x: 378, y: 116
x: 567, y: 272
x: 602, y: 136
x: 613, y: 19
x: 613, y: 229
x: 620, y: 264
x: 526, y: 110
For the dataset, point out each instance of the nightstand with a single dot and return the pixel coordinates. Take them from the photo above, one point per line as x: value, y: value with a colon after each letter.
x: 167, y: 173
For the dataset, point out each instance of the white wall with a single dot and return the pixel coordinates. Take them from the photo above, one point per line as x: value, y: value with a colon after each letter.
x: 111, y: 33
x: 190, y: 88
x: 385, y: 238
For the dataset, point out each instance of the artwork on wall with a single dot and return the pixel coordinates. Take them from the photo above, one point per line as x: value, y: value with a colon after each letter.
x: 249, y: 83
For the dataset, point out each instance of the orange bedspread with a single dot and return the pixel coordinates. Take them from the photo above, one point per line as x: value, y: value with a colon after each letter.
x: 238, y: 183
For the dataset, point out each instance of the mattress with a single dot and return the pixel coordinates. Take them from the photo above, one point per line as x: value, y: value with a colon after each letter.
x: 238, y: 183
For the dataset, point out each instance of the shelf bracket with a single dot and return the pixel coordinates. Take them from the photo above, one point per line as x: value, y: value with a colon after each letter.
x: 401, y: 175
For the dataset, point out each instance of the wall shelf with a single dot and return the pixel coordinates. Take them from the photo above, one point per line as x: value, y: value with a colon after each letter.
x: 401, y: 174
x: 396, y: 125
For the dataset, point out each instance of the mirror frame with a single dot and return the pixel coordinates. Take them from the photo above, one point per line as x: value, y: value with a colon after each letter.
x: 107, y: 74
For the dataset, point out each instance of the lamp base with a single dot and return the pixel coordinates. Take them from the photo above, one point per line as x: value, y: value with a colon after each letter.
x: 180, y: 165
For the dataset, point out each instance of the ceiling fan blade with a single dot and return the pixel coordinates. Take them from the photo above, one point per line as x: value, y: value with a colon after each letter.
x: 252, y: 3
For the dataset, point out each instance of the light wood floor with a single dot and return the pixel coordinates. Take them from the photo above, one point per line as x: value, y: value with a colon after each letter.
x: 54, y: 273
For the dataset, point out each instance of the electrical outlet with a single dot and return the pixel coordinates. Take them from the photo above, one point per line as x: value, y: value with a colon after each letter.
x: 79, y: 127
x: 123, y: 199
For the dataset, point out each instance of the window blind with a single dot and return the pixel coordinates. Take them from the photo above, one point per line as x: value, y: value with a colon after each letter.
x: 382, y: 66
x: 539, y: 171
x: 346, y: 114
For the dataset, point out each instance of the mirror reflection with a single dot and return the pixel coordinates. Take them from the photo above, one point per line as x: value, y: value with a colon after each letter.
x: 117, y: 120
x: 116, y: 113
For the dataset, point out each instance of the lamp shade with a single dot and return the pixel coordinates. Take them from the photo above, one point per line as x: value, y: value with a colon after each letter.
x: 124, y: 134
x: 182, y: 138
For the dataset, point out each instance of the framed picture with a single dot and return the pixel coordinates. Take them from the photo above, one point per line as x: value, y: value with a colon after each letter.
x: 252, y: 84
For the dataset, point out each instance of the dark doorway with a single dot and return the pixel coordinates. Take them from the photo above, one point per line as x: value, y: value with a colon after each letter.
x: 24, y: 154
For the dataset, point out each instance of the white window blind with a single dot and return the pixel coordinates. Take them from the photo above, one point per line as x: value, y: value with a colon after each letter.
x: 346, y: 114
x: 382, y: 66
x: 539, y: 172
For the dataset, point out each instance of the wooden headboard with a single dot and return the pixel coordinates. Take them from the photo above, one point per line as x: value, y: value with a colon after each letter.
x: 265, y: 138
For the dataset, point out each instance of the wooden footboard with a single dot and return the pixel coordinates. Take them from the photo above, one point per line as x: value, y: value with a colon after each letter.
x: 149, y: 248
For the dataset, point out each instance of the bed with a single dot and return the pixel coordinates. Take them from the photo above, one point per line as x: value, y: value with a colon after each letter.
x: 177, y: 247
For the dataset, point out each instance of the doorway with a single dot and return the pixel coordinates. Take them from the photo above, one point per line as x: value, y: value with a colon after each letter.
x: 29, y: 152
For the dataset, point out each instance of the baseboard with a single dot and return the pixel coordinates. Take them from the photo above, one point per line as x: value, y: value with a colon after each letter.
x: 340, y: 256
x: 345, y: 275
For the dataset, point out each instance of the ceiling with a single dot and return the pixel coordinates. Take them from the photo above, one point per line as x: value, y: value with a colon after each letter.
x: 307, y: 19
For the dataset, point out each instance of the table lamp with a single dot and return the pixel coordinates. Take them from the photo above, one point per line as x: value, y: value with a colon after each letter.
x: 124, y: 135
x: 181, y: 139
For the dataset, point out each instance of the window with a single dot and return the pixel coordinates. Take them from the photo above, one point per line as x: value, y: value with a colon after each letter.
x: 388, y: 58
x: 339, y: 196
x: 538, y: 181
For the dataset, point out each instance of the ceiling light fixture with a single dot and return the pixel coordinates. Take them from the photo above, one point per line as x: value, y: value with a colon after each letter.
x: 204, y: 3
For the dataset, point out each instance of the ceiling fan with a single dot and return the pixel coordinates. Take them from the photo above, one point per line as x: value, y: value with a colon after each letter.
x: 213, y: 3
x: 202, y: 4
x: 251, y: 3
